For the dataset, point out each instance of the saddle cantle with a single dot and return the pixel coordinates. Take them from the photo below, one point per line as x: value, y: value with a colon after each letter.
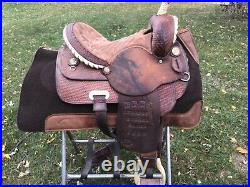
x: 136, y: 85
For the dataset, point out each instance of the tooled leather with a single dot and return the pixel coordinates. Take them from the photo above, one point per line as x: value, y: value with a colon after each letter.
x: 82, y: 72
x: 76, y: 91
x: 163, y: 34
x: 137, y: 119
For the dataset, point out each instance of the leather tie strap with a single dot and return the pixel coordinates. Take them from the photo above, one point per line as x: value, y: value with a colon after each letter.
x: 88, y: 161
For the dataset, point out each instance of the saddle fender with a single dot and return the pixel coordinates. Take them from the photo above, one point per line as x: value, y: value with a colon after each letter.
x: 136, y: 72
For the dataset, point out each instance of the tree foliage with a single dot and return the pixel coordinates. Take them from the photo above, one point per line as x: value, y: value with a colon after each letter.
x: 237, y: 10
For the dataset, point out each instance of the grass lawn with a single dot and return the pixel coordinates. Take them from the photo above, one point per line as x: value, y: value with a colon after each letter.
x: 208, y: 154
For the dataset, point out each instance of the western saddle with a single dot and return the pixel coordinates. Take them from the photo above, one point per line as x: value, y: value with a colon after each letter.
x: 144, y: 73
x: 151, y: 76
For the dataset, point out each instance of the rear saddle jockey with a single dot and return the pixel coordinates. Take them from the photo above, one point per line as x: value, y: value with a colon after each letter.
x: 135, y: 86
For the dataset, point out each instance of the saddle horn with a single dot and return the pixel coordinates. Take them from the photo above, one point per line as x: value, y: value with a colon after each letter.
x: 163, y: 9
x: 164, y: 27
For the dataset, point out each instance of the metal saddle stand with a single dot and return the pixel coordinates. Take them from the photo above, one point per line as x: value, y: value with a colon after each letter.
x: 65, y: 176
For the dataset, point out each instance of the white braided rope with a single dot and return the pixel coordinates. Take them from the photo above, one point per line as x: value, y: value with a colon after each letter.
x: 163, y: 9
x: 175, y: 28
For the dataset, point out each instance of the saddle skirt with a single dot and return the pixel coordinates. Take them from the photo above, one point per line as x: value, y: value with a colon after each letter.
x: 74, y: 85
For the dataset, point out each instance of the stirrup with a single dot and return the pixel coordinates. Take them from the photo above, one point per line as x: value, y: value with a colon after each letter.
x: 138, y: 179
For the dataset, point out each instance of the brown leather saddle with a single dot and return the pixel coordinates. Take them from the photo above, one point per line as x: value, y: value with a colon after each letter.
x: 144, y: 73
x: 135, y: 85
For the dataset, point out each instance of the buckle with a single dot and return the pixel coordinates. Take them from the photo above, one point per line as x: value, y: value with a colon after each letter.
x: 98, y: 93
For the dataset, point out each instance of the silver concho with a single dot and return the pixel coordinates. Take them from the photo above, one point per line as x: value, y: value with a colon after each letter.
x: 106, y: 70
x: 176, y: 51
x: 187, y: 74
x: 73, y: 62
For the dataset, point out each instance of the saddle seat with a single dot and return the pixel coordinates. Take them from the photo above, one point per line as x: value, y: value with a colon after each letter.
x: 94, y: 47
